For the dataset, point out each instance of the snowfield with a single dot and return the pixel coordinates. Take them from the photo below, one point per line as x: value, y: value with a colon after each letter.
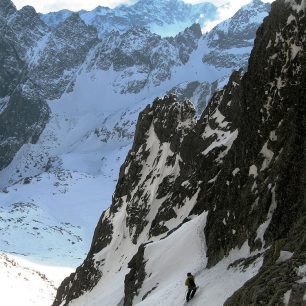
x: 181, y: 252
x: 26, y: 283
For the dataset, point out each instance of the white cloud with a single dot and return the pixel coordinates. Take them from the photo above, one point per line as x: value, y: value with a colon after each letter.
x: 233, y: 3
x: 43, y: 6
x: 226, y: 9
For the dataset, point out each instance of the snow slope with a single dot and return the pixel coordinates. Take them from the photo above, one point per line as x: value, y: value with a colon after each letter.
x: 215, y: 285
x: 28, y: 284
x: 163, y: 285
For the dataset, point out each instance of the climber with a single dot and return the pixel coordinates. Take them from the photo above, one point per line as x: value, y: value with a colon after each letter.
x: 192, y: 288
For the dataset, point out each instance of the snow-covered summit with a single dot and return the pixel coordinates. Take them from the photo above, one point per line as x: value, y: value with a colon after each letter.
x: 239, y: 30
x: 229, y: 43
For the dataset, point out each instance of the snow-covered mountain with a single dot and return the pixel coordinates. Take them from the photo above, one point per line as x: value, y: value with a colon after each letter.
x: 137, y: 66
x: 230, y: 42
x: 166, y: 18
x: 68, y: 111
x: 222, y: 197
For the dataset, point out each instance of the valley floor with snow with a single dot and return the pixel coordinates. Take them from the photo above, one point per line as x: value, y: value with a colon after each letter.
x: 26, y: 283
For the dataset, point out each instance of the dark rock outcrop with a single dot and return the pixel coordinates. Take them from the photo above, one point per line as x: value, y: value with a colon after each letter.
x: 23, y: 114
x: 12, y: 65
x: 22, y: 121
x: 268, y: 111
x: 134, y: 279
x: 187, y: 41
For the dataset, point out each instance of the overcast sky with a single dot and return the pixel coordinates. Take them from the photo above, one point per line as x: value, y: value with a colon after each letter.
x: 229, y: 7
x: 44, y: 6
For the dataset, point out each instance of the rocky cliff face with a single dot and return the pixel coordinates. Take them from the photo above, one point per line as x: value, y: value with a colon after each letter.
x: 151, y: 165
x: 141, y: 58
x: 23, y: 115
x: 240, y: 168
x: 13, y: 66
x: 10, y: 59
x: 21, y: 122
x: 64, y: 51
x: 29, y: 30
x: 7, y: 8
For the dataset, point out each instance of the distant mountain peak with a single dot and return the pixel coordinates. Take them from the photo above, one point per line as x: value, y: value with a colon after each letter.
x: 75, y: 23
x: 75, y: 17
x: 166, y: 18
x: 158, y: 3
x: 255, y: 3
x: 7, y: 8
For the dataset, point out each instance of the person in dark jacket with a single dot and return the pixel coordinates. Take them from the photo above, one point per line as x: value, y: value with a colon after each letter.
x: 192, y: 288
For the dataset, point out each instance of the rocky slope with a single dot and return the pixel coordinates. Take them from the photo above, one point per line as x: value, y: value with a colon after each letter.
x: 227, y: 46
x: 229, y: 188
x: 30, y: 117
x: 142, y: 59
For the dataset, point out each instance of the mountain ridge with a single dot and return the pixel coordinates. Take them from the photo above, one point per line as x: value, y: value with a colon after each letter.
x: 166, y: 18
